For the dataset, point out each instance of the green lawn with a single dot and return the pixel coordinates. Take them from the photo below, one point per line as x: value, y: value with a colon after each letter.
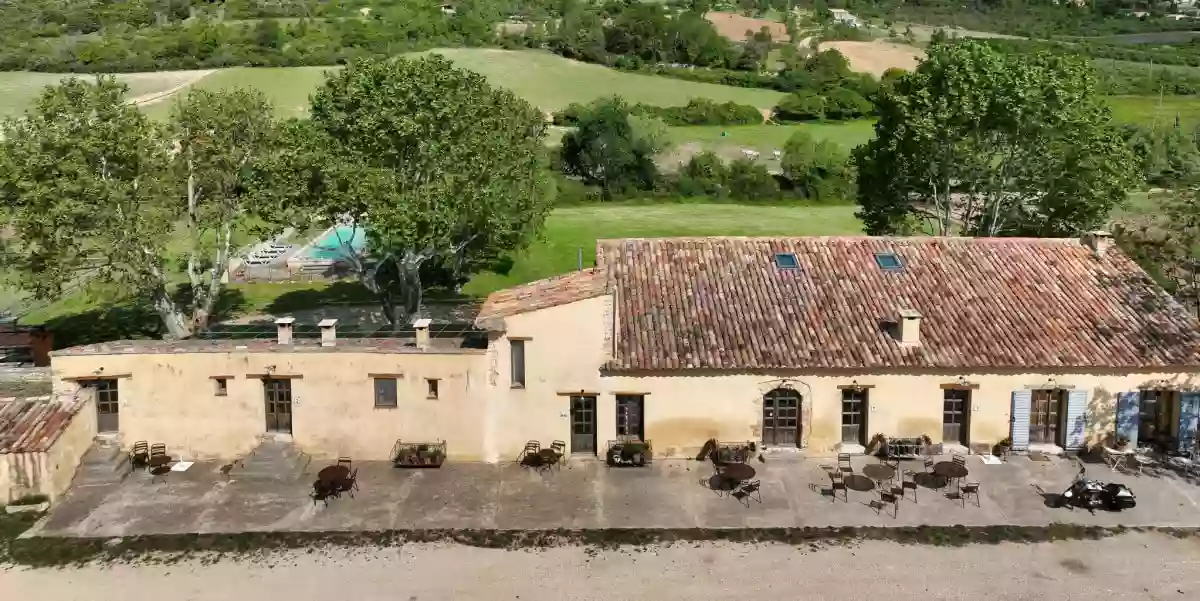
x: 286, y: 87
x: 766, y: 138
x: 552, y: 82
x: 1147, y: 110
x: 19, y: 90
x: 100, y: 314
x: 569, y: 229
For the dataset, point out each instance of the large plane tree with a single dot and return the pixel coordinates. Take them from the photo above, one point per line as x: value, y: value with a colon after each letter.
x: 433, y: 163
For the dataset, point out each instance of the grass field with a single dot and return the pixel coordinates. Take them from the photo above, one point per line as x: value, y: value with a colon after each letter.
x: 1147, y: 110
x: 548, y: 81
x: 570, y: 229
x: 567, y: 230
x: 19, y: 90
x: 766, y: 138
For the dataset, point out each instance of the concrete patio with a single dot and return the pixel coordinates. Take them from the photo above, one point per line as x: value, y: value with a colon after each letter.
x: 588, y: 494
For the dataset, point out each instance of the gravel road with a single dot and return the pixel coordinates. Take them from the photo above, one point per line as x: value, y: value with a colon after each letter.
x: 1135, y: 566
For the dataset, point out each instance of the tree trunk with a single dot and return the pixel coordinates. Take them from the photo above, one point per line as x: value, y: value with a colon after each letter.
x: 204, y: 310
x: 173, y: 320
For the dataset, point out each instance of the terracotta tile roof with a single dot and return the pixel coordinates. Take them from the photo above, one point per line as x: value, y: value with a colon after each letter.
x: 33, y: 424
x: 542, y: 294
x: 722, y: 303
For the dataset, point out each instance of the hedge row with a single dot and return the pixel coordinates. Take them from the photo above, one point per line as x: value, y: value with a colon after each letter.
x: 698, y: 111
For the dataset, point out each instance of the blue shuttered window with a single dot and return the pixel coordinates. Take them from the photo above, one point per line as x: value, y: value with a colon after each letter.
x: 1189, y: 415
x: 1128, y: 416
x: 1021, y: 399
x: 1076, y: 435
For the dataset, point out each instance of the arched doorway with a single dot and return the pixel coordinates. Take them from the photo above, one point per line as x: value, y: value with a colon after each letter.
x: 781, y: 418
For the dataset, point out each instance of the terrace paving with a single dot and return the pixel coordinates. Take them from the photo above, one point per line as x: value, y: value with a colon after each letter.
x: 587, y: 494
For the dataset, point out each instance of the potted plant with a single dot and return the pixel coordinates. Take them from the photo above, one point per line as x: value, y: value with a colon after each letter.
x: 419, y: 454
x: 628, y: 452
x: 29, y: 503
x: 1003, y: 447
x: 878, y: 445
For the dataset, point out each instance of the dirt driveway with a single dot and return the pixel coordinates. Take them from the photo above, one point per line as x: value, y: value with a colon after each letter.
x: 1133, y: 566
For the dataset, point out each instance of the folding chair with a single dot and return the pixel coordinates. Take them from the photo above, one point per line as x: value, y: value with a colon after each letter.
x: 959, y: 460
x: 908, y: 481
x: 345, y: 461
x: 751, y: 489
x: 970, y: 488
x: 139, y: 456
x: 320, y: 493
x: 885, y: 498
x: 929, y: 465
x: 350, y: 484
x: 837, y: 481
x: 843, y: 463
x: 158, y: 448
x: 531, y: 448
x: 560, y: 450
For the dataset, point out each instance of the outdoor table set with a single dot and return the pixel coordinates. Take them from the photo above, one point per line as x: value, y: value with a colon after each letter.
x: 155, y: 460
x: 882, y: 477
x: 333, y: 480
x: 534, y: 456
x: 733, y: 476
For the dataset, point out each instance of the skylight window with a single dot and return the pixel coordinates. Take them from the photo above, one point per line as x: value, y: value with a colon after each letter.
x: 889, y: 261
x: 786, y: 261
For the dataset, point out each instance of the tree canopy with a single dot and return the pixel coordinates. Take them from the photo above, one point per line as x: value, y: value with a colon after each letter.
x: 438, y: 167
x: 606, y: 150
x: 97, y: 193
x: 981, y: 143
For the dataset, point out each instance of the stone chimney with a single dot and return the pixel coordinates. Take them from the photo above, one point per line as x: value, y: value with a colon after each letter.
x: 328, y: 332
x: 1099, y: 241
x: 284, y: 326
x: 422, y: 327
x: 910, y: 327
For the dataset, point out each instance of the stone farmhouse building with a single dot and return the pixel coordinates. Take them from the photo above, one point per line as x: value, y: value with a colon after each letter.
x: 811, y: 344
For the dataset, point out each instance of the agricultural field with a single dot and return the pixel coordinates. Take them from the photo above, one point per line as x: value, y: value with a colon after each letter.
x: 877, y: 57
x: 734, y: 26
x: 548, y: 81
x: 19, y: 90
x: 1152, y: 111
x: 729, y: 141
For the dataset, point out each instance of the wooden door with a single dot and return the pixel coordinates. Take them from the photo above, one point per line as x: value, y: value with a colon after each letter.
x: 278, y: 396
x: 583, y: 424
x: 781, y: 418
x: 955, y: 409
x: 108, y: 410
x: 1044, y: 417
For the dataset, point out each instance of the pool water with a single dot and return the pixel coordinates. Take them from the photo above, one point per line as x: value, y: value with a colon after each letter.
x: 329, y: 248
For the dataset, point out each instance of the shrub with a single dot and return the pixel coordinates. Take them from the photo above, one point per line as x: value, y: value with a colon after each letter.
x: 817, y: 170
x: 748, y: 180
x: 701, y: 111
x: 842, y: 103
x: 800, y: 106
x: 704, y: 175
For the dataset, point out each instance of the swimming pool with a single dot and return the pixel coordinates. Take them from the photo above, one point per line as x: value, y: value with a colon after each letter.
x: 331, y: 245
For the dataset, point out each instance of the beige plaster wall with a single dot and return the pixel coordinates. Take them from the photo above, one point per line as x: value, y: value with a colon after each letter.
x: 21, y: 474
x: 565, y: 346
x: 171, y: 398
x: 50, y: 472
x: 64, y: 456
x: 683, y: 411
